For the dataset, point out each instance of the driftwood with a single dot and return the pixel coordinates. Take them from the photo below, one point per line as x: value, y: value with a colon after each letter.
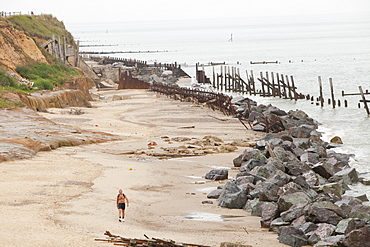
x: 153, y: 242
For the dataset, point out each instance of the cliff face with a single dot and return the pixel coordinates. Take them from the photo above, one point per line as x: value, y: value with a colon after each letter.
x: 16, y: 48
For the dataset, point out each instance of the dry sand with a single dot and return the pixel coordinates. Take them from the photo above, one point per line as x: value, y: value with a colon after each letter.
x: 66, y: 197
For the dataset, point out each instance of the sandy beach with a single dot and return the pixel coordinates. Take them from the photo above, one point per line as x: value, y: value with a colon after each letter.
x: 66, y: 197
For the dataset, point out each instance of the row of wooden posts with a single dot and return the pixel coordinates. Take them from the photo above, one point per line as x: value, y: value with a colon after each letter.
x: 271, y: 85
x: 57, y: 47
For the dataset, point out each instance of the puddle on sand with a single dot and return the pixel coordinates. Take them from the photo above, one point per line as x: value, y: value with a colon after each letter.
x: 202, y: 216
x: 219, y: 167
x: 206, y: 189
x: 195, y: 177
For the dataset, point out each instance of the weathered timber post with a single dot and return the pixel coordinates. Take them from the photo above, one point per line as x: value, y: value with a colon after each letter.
x: 64, y: 50
x: 213, y: 76
x: 262, y: 84
x: 293, y: 87
x: 222, y: 77
x: 332, y: 92
x: 321, y: 95
x: 273, y: 84
x: 60, y: 53
x: 278, y: 84
x: 52, y: 50
x: 77, y: 53
x: 228, y: 79
x: 289, y: 87
x: 253, y: 83
x: 268, y: 84
x: 364, y: 100
x: 284, y: 86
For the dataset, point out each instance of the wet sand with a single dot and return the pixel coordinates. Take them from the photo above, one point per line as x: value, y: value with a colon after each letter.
x: 66, y: 197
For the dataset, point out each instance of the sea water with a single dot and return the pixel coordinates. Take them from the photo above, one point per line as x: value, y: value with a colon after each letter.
x: 336, y: 47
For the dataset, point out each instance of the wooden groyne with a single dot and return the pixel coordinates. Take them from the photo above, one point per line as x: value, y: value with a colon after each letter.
x: 174, y: 67
x: 270, y: 84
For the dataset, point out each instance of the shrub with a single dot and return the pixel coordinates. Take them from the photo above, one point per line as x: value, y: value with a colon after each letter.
x: 7, y: 81
x: 45, y: 76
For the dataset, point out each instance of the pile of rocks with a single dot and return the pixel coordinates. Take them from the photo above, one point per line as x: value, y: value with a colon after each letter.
x: 296, y: 183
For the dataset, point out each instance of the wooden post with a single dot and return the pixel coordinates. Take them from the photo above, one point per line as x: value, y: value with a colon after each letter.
x: 295, y: 94
x: 289, y: 87
x: 77, y: 53
x: 262, y: 84
x: 64, y: 49
x: 278, y: 84
x: 213, y: 76
x: 228, y: 78
x: 240, y: 84
x: 364, y: 100
x: 273, y: 84
x: 60, y: 53
x: 52, y: 50
x: 321, y: 95
x: 222, y: 78
x: 249, y: 83
x: 268, y: 84
x: 284, y: 86
x: 332, y: 92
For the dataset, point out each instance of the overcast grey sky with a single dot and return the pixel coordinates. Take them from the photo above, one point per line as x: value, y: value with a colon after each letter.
x: 72, y: 11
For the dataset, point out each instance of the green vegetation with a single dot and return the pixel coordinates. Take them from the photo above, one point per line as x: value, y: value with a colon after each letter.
x: 47, y: 76
x: 7, y: 81
x: 6, y: 103
x: 41, y: 26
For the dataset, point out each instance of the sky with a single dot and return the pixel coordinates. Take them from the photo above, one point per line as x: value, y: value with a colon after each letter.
x: 82, y: 11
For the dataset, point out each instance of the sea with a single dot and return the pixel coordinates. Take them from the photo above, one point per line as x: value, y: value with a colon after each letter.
x: 336, y: 47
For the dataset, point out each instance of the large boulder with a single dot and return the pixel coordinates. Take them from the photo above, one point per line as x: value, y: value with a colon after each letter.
x: 250, y: 164
x: 277, y: 163
x: 325, y: 212
x: 297, y: 168
x: 324, y: 169
x: 331, y: 241
x: 214, y: 194
x: 360, y: 212
x: 308, y: 227
x: 311, y: 178
x: 245, y: 180
x: 284, y: 155
x: 347, y: 204
x: 345, y: 226
x: 276, y: 224
x: 217, y: 175
x: 303, y: 131
x: 297, y: 210
x: 358, y: 238
x: 323, y: 230
x: 245, y: 156
x: 349, y: 176
x: 268, y: 191
x: 292, y: 236
x: 232, y: 196
x: 309, y: 157
x: 287, y: 200
x: 279, y: 178
x: 269, y: 212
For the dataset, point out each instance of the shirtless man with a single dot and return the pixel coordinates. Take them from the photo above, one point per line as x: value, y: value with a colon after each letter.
x: 121, y: 205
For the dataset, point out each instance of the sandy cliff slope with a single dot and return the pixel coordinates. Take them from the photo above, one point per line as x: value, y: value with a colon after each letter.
x: 16, y: 48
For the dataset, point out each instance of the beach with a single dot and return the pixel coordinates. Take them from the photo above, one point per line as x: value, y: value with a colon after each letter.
x: 66, y: 197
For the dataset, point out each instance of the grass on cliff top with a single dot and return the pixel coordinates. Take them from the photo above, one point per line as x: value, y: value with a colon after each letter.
x: 46, y: 76
x: 41, y: 26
